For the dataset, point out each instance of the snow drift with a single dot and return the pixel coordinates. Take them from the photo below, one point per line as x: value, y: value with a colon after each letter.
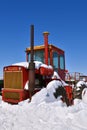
x: 44, y: 112
x: 41, y: 114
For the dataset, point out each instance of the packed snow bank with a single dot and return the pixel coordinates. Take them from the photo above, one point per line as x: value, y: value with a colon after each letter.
x: 51, y: 89
x: 43, y: 115
x: 47, y: 94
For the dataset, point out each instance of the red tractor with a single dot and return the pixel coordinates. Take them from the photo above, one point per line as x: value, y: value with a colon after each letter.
x: 16, y: 76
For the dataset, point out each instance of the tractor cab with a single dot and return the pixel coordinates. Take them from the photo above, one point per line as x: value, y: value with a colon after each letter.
x: 49, y: 55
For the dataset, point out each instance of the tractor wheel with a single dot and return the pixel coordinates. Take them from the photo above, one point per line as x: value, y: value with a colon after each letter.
x: 60, y: 91
x: 77, y: 92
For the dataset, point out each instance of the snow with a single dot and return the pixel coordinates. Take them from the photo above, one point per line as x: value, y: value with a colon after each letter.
x: 51, y: 88
x: 38, y: 64
x: 84, y: 95
x: 56, y: 75
x: 24, y: 64
x: 44, y: 114
x: 79, y: 83
x: 47, y: 94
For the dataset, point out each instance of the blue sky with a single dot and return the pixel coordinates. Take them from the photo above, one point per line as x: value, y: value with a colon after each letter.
x: 66, y: 20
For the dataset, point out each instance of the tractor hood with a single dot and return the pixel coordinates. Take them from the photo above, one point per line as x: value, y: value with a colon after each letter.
x: 37, y: 65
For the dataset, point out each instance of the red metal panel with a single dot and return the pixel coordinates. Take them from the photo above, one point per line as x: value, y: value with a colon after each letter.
x: 46, y: 71
x: 69, y: 93
x: 21, y: 95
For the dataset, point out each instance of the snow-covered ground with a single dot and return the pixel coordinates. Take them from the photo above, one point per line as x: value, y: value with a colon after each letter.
x: 44, y: 114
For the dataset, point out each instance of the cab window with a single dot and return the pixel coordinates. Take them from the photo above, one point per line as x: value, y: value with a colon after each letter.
x: 55, y: 60
x: 38, y: 56
x: 62, y: 63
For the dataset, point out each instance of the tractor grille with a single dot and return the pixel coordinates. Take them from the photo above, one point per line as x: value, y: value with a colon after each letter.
x: 12, y: 95
x: 13, y: 79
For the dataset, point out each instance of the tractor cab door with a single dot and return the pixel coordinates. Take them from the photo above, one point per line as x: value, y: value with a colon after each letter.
x: 59, y: 64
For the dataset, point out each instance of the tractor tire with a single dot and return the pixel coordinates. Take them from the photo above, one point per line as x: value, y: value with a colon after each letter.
x: 60, y: 91
x: 77, y: 93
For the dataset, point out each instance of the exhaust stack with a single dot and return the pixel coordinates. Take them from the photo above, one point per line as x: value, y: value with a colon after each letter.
x: 31, y: 84
x: 46, y: 46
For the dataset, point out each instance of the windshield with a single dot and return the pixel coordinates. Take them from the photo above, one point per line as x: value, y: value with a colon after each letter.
x: 38, y: 56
